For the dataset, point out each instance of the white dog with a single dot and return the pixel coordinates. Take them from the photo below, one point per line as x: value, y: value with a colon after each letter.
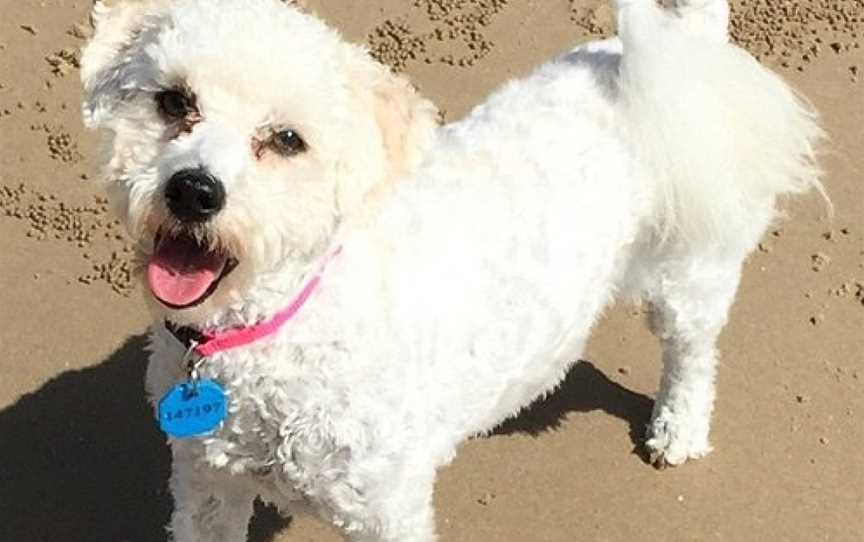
x: 365, y: 290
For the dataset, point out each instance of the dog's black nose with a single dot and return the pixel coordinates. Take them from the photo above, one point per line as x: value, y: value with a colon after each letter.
x: 193, y: 195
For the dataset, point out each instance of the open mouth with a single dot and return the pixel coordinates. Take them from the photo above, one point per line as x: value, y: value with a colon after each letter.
x: 183, y: 272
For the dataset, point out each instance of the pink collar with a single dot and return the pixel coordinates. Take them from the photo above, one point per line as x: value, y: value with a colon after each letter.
x: 206, y: 343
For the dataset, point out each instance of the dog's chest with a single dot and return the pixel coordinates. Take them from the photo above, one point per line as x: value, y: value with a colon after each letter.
x: 287, y: 421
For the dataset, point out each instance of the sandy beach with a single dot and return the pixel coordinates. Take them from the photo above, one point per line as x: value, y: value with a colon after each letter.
x: 84, y: 461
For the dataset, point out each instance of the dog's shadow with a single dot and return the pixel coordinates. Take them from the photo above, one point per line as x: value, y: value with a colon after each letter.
x: 584, y: 389
x: 83, y: 460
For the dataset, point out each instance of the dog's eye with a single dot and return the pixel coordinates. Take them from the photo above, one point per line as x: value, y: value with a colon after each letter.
x: 287, y: 143
x: 175, y: 104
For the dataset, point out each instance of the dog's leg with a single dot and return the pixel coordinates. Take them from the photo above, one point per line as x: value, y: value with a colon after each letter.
x: 208, y: 506
x: 690, y: 303
x: 398, y: 507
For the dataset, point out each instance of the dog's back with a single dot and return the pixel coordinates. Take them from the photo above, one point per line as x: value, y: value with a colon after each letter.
x: 648, y: 165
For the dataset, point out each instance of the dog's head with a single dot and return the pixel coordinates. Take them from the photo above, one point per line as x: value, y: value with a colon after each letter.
x: 239, y: 133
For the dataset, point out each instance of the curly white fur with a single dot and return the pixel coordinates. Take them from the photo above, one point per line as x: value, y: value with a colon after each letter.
x: 475, y: 257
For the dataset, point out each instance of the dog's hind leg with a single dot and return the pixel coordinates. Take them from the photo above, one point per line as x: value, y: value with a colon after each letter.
x: 690, y: 299
x: 209, y: 506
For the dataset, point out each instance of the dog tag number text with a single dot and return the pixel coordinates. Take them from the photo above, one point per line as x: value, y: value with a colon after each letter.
x: 192, y: 409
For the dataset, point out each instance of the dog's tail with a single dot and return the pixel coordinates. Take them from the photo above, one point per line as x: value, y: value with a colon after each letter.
x: 718, y: 134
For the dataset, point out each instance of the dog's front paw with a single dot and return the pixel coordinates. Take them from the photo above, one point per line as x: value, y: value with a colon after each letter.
x: 672, y: 439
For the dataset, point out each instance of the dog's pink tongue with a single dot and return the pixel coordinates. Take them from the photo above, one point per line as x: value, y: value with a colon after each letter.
x: 180, y: 272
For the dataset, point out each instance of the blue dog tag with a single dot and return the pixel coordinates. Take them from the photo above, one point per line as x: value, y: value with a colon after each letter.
x: 192, y: 408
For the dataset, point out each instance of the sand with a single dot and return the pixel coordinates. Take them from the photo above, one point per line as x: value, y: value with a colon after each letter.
x: 83, y: 460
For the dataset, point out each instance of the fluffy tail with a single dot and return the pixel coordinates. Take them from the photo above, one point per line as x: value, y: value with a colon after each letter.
x: 719, y: 134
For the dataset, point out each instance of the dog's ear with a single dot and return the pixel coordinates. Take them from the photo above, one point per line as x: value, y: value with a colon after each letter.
x: 406, y: 120
x: 107, y: 56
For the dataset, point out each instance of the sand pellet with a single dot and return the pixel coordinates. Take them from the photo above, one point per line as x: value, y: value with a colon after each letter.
x: 396, y: 43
